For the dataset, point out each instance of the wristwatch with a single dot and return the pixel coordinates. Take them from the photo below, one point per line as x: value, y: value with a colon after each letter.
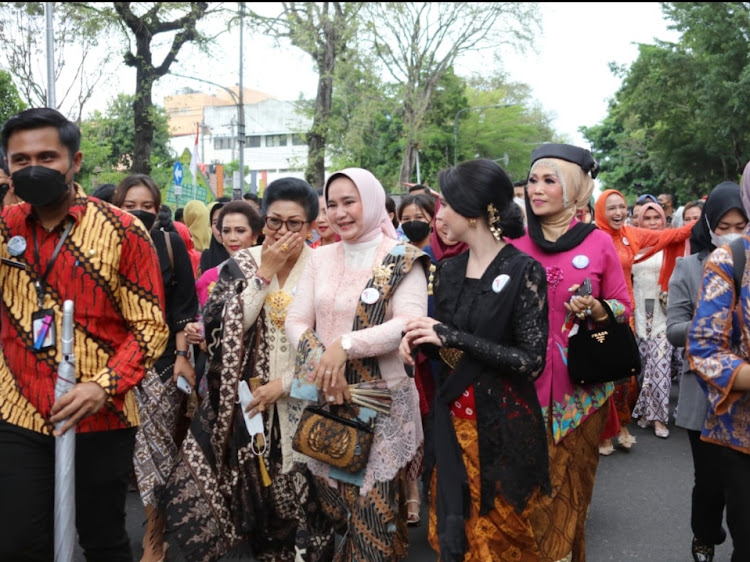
x: 181, y: 353
x: 346, y: 343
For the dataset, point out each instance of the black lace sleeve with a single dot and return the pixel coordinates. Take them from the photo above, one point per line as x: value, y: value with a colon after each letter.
x: 524, y: 351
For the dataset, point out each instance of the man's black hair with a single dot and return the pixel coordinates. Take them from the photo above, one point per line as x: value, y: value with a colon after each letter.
x: 418, y: 187
x: 38, y: 118
x: 105, y: 192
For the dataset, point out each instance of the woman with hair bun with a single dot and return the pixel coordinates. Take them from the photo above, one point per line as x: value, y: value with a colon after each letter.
x: 561, y: 182
x: 485, y: 438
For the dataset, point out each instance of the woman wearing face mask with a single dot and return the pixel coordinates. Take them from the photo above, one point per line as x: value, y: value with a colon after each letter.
x: 723, y: 219
x: 415, y: 214
x: 610, y: 216
x: 162, y: 405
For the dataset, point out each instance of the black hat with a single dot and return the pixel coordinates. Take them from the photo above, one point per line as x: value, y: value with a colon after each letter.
x: 570, y: 153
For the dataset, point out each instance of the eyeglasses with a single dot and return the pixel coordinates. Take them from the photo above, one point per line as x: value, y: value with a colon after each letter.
x: 292, y: 225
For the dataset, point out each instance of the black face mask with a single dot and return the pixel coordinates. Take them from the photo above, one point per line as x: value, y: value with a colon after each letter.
x: 146, y: 217
x: 39, y: 185
x: 416, y: 231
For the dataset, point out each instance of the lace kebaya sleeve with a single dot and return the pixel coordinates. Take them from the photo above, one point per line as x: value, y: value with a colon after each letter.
x: 526, y: 355
x: 301, y: 313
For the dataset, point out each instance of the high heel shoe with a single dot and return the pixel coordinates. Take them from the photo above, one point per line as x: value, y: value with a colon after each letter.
x: 412, y: 518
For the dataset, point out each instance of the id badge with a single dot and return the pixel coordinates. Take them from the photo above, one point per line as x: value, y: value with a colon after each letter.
x: 43, y: 329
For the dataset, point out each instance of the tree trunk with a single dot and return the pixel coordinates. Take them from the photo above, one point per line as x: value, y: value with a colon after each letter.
x: 408, y: 163
x: 316, y: 138
x: 144, y: 126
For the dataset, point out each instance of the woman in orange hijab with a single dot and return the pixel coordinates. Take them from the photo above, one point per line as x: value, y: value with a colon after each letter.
x: 610, y: 214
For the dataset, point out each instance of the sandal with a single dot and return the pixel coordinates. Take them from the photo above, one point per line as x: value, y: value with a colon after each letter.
x: 626, y: 441
x: 412, y: 519
x: 606, y: 450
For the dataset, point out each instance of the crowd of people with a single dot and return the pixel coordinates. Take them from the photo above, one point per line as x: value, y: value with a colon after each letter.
x: 438, y: 325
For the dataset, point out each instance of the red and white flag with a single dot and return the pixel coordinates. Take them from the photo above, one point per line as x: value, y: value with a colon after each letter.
x: 194, y: 157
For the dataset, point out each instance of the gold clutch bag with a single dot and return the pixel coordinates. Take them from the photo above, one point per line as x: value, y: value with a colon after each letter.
x: 341, y: 442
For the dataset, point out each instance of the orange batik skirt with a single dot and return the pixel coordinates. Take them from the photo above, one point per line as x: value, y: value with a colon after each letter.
x: 500, y: 535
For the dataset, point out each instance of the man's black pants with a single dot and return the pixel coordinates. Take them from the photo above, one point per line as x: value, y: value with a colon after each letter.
x: 104, y: 463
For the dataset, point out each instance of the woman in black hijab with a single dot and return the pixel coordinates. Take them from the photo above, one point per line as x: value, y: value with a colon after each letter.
x: 723, y: 219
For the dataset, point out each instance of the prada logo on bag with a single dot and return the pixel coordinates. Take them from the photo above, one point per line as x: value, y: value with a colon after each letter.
x: 600, y: 336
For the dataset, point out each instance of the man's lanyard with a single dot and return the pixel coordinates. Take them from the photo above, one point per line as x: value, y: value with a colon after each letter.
x: 41, y: 284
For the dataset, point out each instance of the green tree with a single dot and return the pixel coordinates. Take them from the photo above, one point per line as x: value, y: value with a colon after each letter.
x: 10, y: 102
x: 81, y: 59
x: 501, y: 122
x: 679, y: 123
x: 108, y: 144
x: 323, y: 30
x: 417, y: 42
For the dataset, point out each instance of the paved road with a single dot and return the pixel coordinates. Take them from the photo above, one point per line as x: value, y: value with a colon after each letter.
x: 640, y: 510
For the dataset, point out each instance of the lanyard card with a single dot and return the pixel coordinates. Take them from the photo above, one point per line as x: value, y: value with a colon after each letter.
x: 43, y: 329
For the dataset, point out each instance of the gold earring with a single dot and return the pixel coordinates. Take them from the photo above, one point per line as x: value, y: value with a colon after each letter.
x: 473, y: 223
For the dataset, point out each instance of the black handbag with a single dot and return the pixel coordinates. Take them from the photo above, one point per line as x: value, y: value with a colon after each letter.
x: 601, y: 353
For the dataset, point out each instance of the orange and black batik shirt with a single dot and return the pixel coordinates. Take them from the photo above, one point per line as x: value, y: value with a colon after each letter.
x: 108, y: 267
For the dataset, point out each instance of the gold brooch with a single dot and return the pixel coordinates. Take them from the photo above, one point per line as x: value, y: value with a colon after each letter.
x: 278, y: 302
x: 382, y: 275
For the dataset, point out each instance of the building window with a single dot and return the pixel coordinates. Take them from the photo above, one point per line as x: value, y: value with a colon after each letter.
x: 275, y: 140
x: 298, y: 140
x: 223, y: 143
x: 252, y: 141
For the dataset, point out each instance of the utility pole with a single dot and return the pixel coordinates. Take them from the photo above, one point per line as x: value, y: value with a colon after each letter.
x: 239, y: 189
x: 50, y: 41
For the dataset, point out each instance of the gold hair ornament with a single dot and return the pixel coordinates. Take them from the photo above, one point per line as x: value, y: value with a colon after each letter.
x: 494, y: 220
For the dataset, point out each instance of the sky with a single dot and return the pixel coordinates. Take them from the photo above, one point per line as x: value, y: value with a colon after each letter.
x: 568, y: 74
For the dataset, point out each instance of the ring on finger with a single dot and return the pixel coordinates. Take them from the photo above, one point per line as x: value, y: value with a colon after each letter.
x: 284, y: 247
x: 331, y: 398
x: 329, y: 372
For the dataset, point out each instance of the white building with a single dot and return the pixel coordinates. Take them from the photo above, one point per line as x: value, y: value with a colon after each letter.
x: 274, y: 138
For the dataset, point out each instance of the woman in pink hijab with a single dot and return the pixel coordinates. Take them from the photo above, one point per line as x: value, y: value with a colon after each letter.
x: 353, y: 301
